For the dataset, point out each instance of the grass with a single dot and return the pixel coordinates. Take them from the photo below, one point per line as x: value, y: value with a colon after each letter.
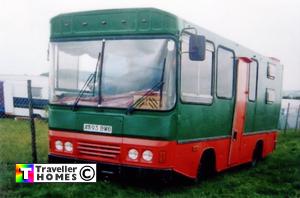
x: 277, y: 176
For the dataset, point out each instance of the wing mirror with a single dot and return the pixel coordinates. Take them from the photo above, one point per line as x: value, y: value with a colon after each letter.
x: 197, y: 47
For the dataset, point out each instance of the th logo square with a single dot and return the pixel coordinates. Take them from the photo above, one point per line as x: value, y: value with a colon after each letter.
x: 24, y: 173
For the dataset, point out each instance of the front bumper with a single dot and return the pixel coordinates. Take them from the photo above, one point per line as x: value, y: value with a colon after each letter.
x: 111, y: 170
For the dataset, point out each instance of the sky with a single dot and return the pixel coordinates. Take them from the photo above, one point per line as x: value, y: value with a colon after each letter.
x: 269, y: 27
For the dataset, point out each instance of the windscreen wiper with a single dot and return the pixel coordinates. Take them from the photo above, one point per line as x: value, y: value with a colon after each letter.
x: 131, y: 108
x: 91, y: 77
x: 100, y: 65
x: 86, y: 84
x: 159, y: 85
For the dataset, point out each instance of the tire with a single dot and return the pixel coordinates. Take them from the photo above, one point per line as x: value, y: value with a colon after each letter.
x: 257, y: 155
x: 206, y: 167
x: 37, y: 116
x: 254, y: 161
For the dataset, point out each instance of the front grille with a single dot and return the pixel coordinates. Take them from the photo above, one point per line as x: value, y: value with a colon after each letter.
x: 99, y: 150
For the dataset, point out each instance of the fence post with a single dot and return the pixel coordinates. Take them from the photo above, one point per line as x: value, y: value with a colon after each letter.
x: 286, y: 118
x: 32, y: 125
x: 297, y: 119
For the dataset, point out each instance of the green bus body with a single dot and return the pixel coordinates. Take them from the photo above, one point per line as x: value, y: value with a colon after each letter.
x: 184, y: 122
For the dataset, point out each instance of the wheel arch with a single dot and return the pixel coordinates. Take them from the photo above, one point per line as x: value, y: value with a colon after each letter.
x: 259, y: 147
x: 208, y: 153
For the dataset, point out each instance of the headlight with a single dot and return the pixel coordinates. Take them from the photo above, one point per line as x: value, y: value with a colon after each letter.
x: 58, y: 145
x: 147, y: 155
x: 133, y: 154
x: 69, y: 146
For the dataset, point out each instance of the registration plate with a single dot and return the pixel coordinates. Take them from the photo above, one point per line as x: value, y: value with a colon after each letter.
x: 97, y: 128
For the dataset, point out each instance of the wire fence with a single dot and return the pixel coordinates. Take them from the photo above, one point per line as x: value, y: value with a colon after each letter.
x: 290, y: 115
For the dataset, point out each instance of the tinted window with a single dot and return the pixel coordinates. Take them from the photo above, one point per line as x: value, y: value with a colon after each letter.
x: 225, y: 73
x: 196, y: 76
x: 253, y: 80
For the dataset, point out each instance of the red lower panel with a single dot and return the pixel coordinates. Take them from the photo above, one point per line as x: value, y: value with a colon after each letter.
x: 188, y: 155
x: 111, y: 149
x: 182, y: 158
x: 248, y: 144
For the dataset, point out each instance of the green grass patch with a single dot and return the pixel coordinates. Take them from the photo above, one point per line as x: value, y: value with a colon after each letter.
x: 277, y: 176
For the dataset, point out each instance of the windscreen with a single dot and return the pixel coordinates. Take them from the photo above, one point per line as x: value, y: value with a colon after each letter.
x: 117, y: 73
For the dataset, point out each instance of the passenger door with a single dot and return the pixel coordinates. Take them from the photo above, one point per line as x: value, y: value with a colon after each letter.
x: 239, y: 111
x: 251, y: 103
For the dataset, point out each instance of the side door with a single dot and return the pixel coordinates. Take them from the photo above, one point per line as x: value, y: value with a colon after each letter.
x: 252, y: 97
x: 239, y: 110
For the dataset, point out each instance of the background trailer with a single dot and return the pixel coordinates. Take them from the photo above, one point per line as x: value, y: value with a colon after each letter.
x: 14, y: 97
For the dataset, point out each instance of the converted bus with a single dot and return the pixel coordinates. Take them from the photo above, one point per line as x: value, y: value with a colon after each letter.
x: 143, y: 90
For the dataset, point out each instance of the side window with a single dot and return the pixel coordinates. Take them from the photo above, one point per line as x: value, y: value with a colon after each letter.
x: 253, y: 70
x: 196, y: 76
x: 225, y: 66
x: 271, y: 71
x: 270, y: 96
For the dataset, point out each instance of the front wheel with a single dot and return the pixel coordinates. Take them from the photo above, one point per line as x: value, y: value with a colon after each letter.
x: 206, y: 167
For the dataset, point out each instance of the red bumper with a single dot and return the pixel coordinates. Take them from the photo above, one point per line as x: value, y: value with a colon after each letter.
x: 111, y: 149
